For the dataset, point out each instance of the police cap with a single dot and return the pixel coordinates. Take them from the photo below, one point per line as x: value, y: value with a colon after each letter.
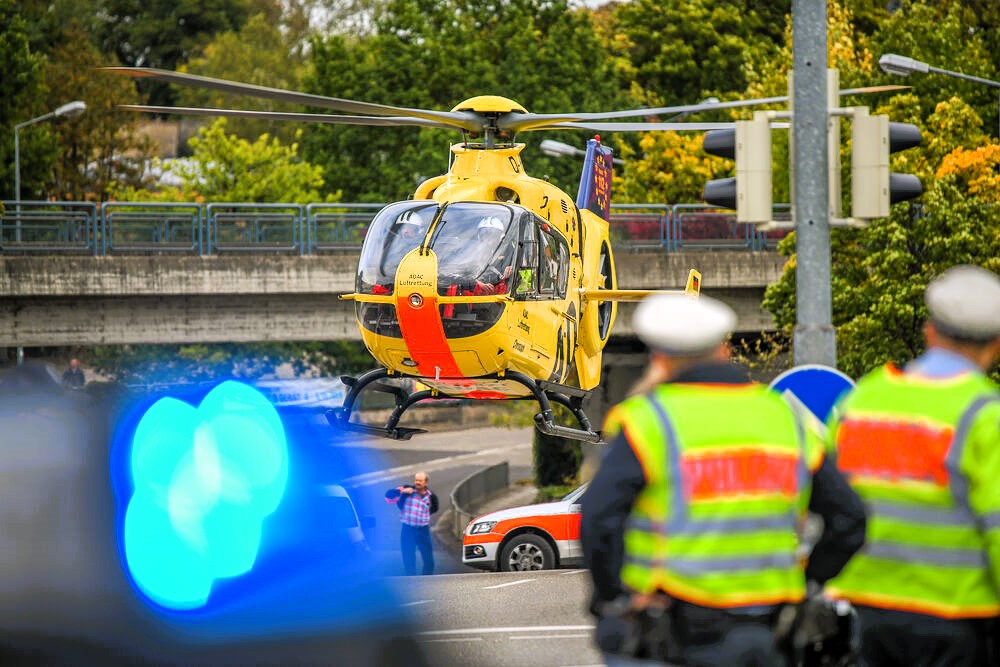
x: 682, y: 325
x: 964, y: 303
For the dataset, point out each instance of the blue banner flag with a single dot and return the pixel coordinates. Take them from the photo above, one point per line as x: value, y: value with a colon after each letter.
x: 595, y: 181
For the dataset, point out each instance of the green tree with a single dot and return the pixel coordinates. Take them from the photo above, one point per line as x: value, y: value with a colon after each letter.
x: 436, y: 54
x: 259, y: 53
x: 879, y: 273
x: 21, y: 91
x: 682, y: 50
x: 150, y: 364
x: 103, y: 146
x: 227, y: 168
x: 163, y: 33
x: 946, y: 35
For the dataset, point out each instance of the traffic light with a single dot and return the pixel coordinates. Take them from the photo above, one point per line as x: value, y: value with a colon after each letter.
x: 873, y: 186
x: 749, y: 143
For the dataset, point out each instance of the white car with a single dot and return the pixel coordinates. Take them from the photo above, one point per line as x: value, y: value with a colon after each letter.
x: 530, y: 537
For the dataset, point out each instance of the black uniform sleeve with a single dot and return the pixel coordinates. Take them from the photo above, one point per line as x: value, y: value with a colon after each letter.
x: 605, y: 507
x: 844, y: 523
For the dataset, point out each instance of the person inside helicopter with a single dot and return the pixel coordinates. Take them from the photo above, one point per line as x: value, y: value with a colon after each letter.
x: 405, y: 234
x: 495, y: 278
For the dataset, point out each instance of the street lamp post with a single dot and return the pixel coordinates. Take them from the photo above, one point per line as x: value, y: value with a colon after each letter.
x: 892, y: 63
x: 684, y: 114
x: 65, y: 111
x: 559, y: 149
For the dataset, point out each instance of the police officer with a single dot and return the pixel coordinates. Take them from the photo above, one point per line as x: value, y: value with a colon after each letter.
x: 693, y: 513
x: 921, y: 445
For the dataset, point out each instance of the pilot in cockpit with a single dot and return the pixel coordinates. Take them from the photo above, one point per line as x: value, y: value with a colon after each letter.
x: 410, y: 227
x: 496, y: 276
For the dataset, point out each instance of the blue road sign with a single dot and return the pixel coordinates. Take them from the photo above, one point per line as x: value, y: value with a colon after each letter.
x: 817, y: 387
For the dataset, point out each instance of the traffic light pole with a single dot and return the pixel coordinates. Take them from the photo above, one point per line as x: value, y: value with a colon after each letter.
x: 814, y: 338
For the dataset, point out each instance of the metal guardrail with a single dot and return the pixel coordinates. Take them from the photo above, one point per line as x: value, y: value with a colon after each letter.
x: 476, y: 487
x: 222, y: 227
x: 51, y: 226
x: 151, y: 227
x: 338, y: 226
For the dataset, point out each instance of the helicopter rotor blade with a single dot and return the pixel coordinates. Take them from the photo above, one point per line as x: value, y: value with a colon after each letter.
x: 525, y: 122
x: 649, y: 127
x: 279, y: 115
x: 636, y: 127
x: 454, y: 119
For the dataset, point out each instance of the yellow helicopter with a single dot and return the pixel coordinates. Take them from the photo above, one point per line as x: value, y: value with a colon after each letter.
x: 488, y: 283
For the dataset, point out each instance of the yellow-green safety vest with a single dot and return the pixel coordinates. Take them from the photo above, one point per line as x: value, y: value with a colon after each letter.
x: 728, y: 472
x: 924, y: 455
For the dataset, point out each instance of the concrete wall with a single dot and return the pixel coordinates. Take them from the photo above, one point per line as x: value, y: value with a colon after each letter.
x: 73, y: 300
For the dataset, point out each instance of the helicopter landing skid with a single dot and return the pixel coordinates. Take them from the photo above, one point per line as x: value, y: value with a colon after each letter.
x: 341, y: 417
x: 545, y: 393
x: 571, y: 397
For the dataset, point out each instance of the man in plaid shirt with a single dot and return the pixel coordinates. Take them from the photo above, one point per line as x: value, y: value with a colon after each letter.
x: 416, y: 503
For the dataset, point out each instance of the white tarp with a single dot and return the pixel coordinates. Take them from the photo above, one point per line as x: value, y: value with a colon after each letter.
x: 303, y: 392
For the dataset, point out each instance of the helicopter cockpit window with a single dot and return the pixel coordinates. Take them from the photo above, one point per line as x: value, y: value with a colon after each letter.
x: 475, y: 245
x: 543, y: 271
x: 396, y: 230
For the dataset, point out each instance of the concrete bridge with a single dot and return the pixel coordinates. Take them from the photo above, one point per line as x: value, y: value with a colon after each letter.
x: 60, y: 299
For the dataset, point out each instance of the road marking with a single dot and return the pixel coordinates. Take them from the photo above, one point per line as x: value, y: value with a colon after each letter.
x: 517, y: 628
x: 416, y: 602
x: 575, y: 636
x: 454, y: 639
x: 380, y: 476
x: 573, y: 572
x: 509, y: 583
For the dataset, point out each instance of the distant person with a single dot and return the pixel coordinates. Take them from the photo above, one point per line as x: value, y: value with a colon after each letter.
x: 921, y: 445
x: 416, y: 504
x: 73, y: 377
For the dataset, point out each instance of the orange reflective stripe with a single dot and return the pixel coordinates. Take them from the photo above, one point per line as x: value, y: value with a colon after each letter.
x: 894, y: 449
x: 425, y: 339
x: 902, y: 603
x: 738, y: 473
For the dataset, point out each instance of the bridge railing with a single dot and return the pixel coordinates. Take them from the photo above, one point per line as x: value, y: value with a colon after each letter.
x: 41, y: 226
x: 151, y: 227
x: 254, y: 227
x: 338, y: 226
x: 222, y: 227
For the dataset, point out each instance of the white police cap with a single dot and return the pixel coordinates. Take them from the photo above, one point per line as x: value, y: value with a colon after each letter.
x: 964, y: 303
x: 682, y: 325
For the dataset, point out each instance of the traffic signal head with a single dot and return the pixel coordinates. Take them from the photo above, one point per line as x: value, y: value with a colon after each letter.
x: 749, y: 143
x: 873, y: 187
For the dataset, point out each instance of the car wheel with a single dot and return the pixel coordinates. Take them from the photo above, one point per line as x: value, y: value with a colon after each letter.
x: 527, y: 552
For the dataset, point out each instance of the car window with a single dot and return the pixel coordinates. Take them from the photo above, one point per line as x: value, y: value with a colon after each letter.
x: 342, y: 513
x: 574, y: 495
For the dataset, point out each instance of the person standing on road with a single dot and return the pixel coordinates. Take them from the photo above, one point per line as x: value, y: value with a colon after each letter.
x: 921, y: 445
x: 689, y: 526
x: 73, y: 377
x: 416, y: 504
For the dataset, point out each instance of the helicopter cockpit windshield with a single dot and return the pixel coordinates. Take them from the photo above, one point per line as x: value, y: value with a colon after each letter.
x: 395, y: 231
x: 476, y: 245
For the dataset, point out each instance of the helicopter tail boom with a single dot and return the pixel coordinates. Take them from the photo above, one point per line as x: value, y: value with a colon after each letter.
x: 692, y: 288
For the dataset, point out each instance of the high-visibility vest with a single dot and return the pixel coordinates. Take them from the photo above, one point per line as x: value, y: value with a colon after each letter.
x: 924, y: 455
x: 728, y: 476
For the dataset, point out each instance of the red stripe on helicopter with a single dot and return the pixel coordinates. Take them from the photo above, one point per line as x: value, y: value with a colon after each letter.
x: 425, y: 339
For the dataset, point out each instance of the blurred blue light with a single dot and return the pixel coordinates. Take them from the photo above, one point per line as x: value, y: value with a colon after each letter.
x: 204, y: 480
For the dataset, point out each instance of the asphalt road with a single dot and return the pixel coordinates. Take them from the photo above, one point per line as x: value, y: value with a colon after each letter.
x: 448, y: 457
x: 504, y: 618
